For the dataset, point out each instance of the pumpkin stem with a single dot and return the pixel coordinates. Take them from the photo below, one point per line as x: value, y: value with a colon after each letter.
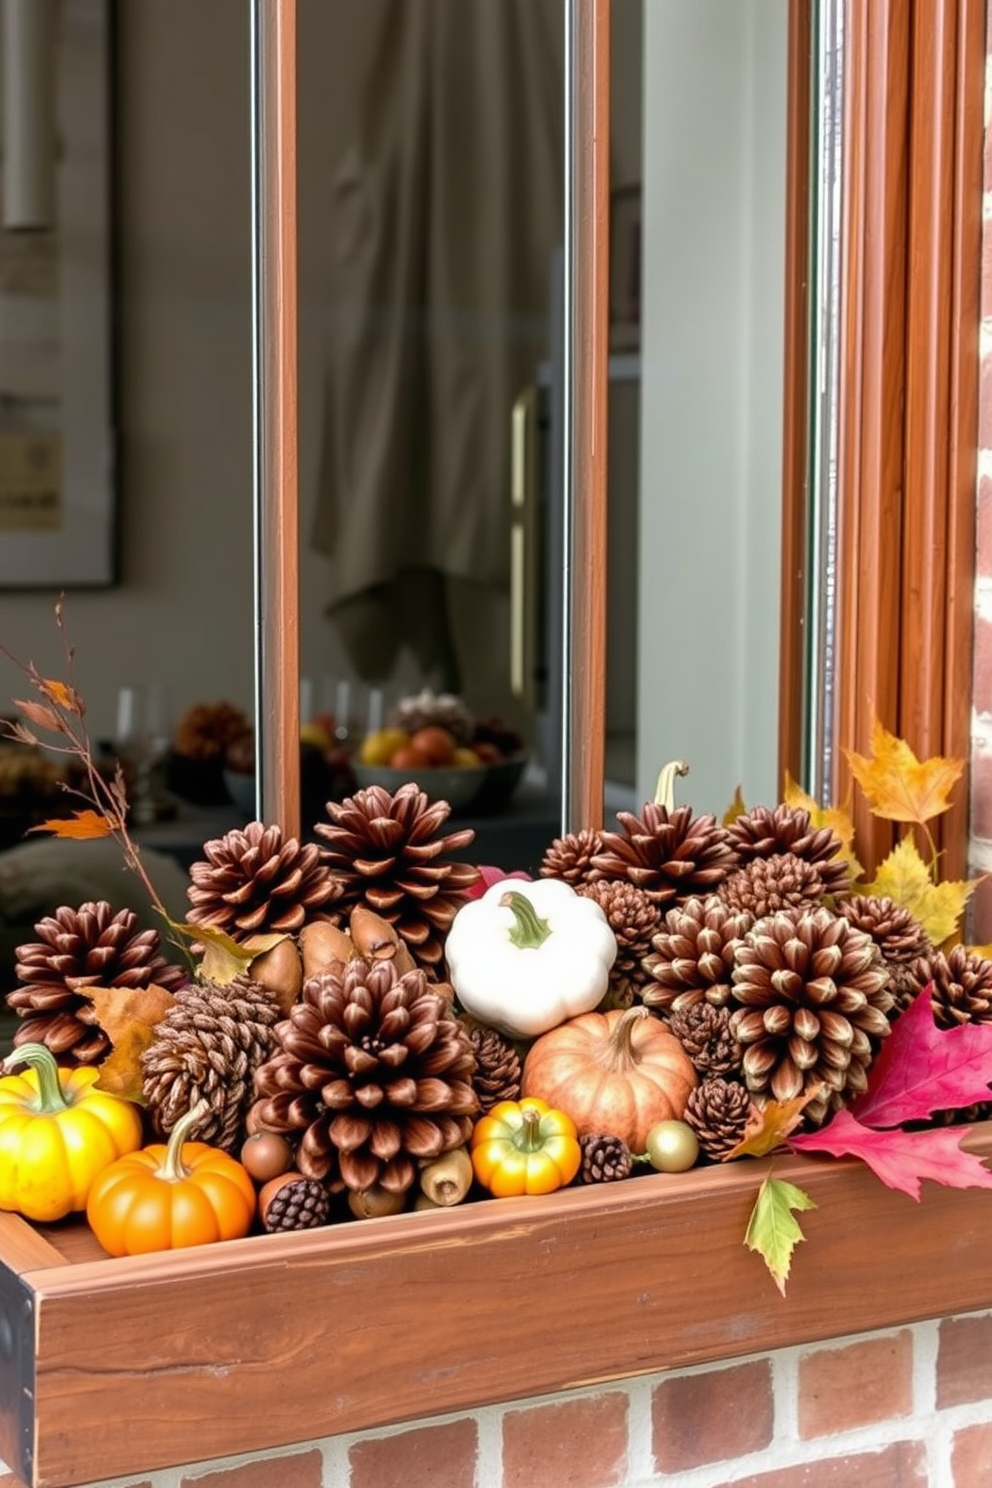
x: 173, y: 1169
x: 529, y: 930
x: 664, y: 792
x: 51, y: 1097
x: 529, y: 1138
x: 619, y: 1051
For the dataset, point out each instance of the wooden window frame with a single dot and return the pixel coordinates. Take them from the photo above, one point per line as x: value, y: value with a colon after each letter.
x: 113, y: 1367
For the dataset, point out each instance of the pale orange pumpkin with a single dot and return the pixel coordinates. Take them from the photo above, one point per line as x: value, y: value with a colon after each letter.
x: 617, y: 1072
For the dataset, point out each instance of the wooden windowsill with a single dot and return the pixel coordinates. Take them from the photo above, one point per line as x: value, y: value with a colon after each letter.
x: 110, y: 1367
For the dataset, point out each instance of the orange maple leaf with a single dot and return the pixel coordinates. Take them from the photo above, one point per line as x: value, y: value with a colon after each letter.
x: 63, y: 696
x: 82, y: 825
x: 769, y: 1125
x: 899, y: 787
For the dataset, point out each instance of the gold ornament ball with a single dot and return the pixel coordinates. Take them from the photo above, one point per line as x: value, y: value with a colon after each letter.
x: 672, y: 1147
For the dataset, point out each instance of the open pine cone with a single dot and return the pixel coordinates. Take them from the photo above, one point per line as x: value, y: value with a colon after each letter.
x: 693, y: 956
x: 766, y: 832
x: 90, y: 946
x: 671, y: 854
x: 899, y: 936
x: 372, y: 1073
x: 253, y: 881
x: 387, y: 851
x: 633, y: 918
x: 763, y: 886
x: 813, y: 999
x: 570, y: 857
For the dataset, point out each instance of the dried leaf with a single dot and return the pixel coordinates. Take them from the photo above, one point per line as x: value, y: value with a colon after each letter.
x: 837, y: 818
x: 900, y: 1159
x: 38, y: 714
x: 769, y: 1125
x: 921, y: 1069
x: 223, y: 959
x: 63, y: 696
x: 772, y: 1230
x: 899, y: 787
x: 905, y: 878
x: 81, y: 826
x: 129, y: 1017
x: 736, y: 808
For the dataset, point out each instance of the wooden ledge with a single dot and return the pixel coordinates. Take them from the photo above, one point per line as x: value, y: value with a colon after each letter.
x: 110, y: 1367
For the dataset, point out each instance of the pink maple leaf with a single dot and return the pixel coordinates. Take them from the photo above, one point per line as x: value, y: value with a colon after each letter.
x: 922, y: 1068
x: 900, y: 1159
x: 487, y: 877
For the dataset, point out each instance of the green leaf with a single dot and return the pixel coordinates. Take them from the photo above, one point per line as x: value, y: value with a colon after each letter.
x: 772, y: 1231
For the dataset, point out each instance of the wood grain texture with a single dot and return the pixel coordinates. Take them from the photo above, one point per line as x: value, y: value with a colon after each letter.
x: 276, y: 1339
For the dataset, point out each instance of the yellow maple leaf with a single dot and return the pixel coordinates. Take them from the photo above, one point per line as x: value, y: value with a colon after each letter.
x: 768, y: 1125
x: 736, y: 808
x: 905, y: 878
x: 837, y: 818
x: 82, y: 826
x: 898, y: 786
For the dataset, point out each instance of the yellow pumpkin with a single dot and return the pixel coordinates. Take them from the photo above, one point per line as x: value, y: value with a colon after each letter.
x: 617, y: 1072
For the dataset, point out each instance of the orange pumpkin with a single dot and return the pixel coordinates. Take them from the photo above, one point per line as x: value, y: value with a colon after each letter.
x: 616, y: 1072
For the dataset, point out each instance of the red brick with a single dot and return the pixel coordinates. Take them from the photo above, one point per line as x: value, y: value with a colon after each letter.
x: 964, y: 1360
x: 840, y: 1388
x: 983, y: 528
x: 427, y: 1457
x: 971, y: 1456
x: 985, y: 403
x: 712, y: 1417
x: 979, y: 928
x: 901, y: 1465
x: 982, y: 684
x: 572, y: 1443
x: 981, y: 791
x: 301, y: 1470
x: 986, y: 305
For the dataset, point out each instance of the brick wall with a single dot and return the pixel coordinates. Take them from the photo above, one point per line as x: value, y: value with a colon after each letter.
x: 907, y: 1408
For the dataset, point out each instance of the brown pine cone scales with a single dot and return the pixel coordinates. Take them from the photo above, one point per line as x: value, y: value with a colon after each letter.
x: 705, y: 1034
x: 671, y: 855
x: 717, y: 1111
x: 634, y: 919
x: 605, y: 1158
x: 898, y: 934
x: 693, y: 956
x: 208, y: 1047
x: 300, y: 1204
x: 253, y: 881
x: 497, y: 1068
x: 767, y: 832
x: 91, y: 946
x: 765, y: 885
x: 813, y: 999
x: 388, y: 852
x: 373, y: 1074
x: 961, y: 986
x: 570, y: 857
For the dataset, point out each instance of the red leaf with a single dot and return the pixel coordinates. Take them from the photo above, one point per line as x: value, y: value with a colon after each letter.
x: 489, y: 876
x: 922, y: 1068
x: 900, y: 1159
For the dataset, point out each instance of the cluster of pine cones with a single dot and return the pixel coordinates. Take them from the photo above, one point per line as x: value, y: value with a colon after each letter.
x: 747, y: 939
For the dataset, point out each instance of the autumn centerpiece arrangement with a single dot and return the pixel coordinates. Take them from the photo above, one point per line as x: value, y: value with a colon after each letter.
x: 362, y: 1024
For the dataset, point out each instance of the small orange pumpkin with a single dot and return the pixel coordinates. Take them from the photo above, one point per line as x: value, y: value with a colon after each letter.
x: 617, y: 1072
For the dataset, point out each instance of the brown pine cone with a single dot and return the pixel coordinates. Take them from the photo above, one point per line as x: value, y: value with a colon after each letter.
x: 671, y: 855
x: 254, y: 882
x: 91, y: 946
x: 899, y: 936
x: 693, y: 955
x: 570, y: 857
x: 634, y: 919
x: 961, y: 986
x: 374, y: 1072
x: 208, y: 1047
x: 497, y: 1068
x: 605, y: 1158
x: 813, y: 999
x: 387, y: 851
x: 302, y: 1204
x: 717, y: 1110
x: 767, y: 832
x: 765, y: 885
x: 704, y: 1033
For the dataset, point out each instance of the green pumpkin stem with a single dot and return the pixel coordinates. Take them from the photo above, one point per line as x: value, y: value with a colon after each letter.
x: 529, y: 1138
x: 173, y: 1169
x: 51, y: 1096
x: 664, y: 793
x: 529, y: 931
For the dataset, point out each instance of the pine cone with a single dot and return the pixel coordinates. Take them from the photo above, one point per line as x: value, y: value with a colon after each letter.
x: 671, y: 855
x: 704, y: 1033
x: 765, y: 885
x: 634, y: 919
x: 813, y: 998
x: 385, y: 852
x: 898, y: 934
x: 497, y: 1068
x: 693, y: 955
x: 302, y: 1204
x: 768, y: 832
x: 717, y: 1110
x: 570, y: 857
x: 208, y: 1047
x: 961, y: 986
x: 253, y: 882
x: 375, y: 1074
x: 91, y: 946
x: 428, y: 708
x: 605, y: 1158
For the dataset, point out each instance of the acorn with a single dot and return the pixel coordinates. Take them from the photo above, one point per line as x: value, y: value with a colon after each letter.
x: 446, y: 1180
x: 323, y: 946
x: 280, y: 971
x: 375, y: 1202
x: 266, y: 1155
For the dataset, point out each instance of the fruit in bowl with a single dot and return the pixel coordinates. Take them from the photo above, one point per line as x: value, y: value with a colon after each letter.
x: 468, y: 763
